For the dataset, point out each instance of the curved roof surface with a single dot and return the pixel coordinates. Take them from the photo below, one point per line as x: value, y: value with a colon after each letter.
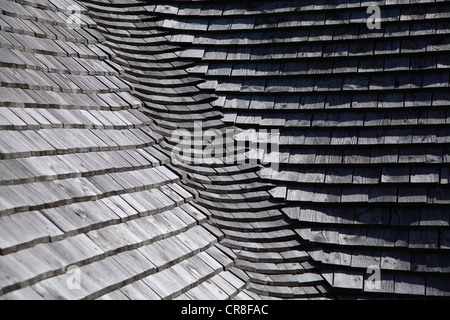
x: 92, y: 91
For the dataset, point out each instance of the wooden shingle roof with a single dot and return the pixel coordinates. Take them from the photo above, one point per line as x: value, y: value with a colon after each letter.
x: 86, y: 117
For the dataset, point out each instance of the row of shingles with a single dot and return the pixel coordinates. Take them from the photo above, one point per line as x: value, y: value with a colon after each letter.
x: 256, y: 235
x: 414, y: 240
x: 404, y: 232
x: 207, y: 272
x: 199, y: 277
x: 53, y: 47
x: 38, y: 80
x: 48, y: 99
x: 348, y: 185
x: 175, y: 78
x: 229, y: 22
x: 435, y: 155
x: 195, y: 270
x: 165, y: 191
x: 50, y: 5
x: 215, y: 188
x: 54, y: 81
x: 19, y: 57
x: 45, y: 142
x: 407, y: 228
x: 204, y: 112
x: 269, y: 252
x: 179, y: 81
x: 52, y: 12
x: 410, y: 254
x: 254, y: 50
x: 227, y: 172
x: 370, y: 119
x: 414, y: 267
x: 252, y: 98
x: 77, y: 219
x: 248, y: 227
x: 49, y: 168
